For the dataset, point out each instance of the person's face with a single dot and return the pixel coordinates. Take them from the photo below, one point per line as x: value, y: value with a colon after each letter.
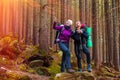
x: 68, y: 23
x: 78, y: 24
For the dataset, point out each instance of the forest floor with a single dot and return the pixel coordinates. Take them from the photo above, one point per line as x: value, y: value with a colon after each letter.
x: 19, y: 75
x: 19, y: 61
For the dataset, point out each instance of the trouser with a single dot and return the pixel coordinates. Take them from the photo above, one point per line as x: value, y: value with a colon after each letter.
x: 78, y: 52
x: 65, y: 64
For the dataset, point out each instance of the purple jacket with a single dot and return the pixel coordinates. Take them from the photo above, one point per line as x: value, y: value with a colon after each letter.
x: 65, y: 34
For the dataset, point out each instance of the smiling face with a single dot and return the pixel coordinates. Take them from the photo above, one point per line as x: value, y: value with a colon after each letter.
x: 68, y: 22
x: 78, y: 24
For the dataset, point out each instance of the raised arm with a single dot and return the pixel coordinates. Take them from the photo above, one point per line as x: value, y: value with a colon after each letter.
x: 56, y: 27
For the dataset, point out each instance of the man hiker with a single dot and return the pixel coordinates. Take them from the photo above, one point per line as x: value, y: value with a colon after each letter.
x: 80, y: 36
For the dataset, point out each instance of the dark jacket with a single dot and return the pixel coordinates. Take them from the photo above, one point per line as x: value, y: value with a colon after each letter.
x: 80, y: 37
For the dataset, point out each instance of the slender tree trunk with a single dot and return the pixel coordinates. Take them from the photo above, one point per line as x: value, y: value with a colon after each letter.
x: 100, y: 30
x: 29, y: 32
x: 90, y: 23
x: 62, y: 11
x: 95, y: 33
x: 36, y: 23
x: 119, y: 27
x: 109, y: 33
x: 80, y: 9
x: 1, y: 16
x: 116, y: 38
x: 24, y: 21
x: 20, y: 20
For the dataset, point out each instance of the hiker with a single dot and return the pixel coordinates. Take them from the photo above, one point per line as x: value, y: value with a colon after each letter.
x: 63, y: 42
x: 80, y: 36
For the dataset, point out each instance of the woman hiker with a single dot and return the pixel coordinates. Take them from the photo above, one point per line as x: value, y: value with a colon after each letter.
x: 63, y: 42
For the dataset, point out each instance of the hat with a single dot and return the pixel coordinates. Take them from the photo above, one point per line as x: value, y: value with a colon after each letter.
x: 70, y: 21
x: 82, y: 25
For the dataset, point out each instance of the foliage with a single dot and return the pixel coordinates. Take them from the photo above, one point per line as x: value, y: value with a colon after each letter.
x: 30, y: 70
x: 23, y: 67
x: 40, y: 72
x: 29, y: 51
x: 5, y: 61
x: 9, y: 47
x: 24, y: 78
x: 30, y: 58
x: 54, y: 68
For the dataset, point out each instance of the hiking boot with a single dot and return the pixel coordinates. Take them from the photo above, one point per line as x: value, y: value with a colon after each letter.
x: 70, y: 70
x: 79, y: 70
x: 62, y: 71
x: 89, y: 68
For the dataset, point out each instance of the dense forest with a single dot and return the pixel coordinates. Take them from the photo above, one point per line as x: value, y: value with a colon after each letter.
x: 30, y: 22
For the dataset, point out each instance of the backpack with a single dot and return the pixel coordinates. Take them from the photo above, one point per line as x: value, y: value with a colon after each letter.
x: 57, y: 35
x: 89, y: 43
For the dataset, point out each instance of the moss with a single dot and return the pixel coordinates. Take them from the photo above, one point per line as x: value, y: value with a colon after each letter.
x: 29, y: 51
x: 23, y: 67
x: 54, y: 69
x: 16, y: 76
x: 31, y: 71
x: 52, y: 78
x: 86, y: 76
x: 106, y: 73
x: 40, y: 72
x: 60, y: 53
x: 42, y: 52
x: 6, y: 61
x: 12, y: 75
x: 109, y: 74
x: 24, y: 78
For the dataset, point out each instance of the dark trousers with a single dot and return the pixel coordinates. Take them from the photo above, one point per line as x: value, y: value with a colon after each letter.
x: 78, y: 50
x: 65, y: 64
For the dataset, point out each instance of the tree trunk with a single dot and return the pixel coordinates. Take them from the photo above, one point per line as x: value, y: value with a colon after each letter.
x: 95, y: 33
x: 29, y: 32
x: 100, y: 30
x: 44, y: 28
x: 24, y: 21
x: 109, y: 33
x: 36, y: 23
x: 116, y: 38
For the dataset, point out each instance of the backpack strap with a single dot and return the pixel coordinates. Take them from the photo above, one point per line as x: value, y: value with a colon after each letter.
x: 58, y: 34
x: 60, y: 31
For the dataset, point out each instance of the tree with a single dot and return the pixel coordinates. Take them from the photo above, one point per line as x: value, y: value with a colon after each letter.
x: 43, y: 28
x: 29, y: 32
x: 36, y: 23
x: 109, y: 33
x: 95, y: 33
x: 116, y: 38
